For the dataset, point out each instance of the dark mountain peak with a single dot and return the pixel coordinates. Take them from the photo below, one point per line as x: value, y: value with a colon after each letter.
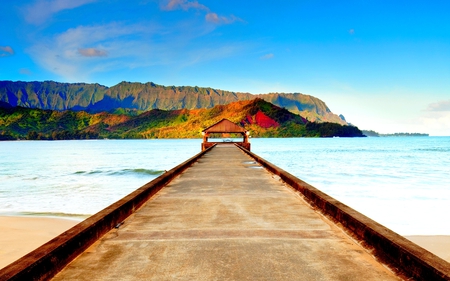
x: 5, y: 105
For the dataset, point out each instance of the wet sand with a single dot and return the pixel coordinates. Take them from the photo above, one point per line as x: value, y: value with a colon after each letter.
x: 21, y: 235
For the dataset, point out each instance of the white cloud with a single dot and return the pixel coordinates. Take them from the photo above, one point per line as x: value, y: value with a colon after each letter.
x: 41, y: 10
x: 117, y: 46
x: 435, y: 118
x: 92, y: 52
x: 187, y: 5
x: 267, y: 56
x: 81, y: 53
x: 439, y: 106
x: 6, y: 51
x: 216, y: 19
x: 437, y: 123
x: 184, y: 5
x: 25, y: 71
x: 61, y: 54
x: 211, y: 53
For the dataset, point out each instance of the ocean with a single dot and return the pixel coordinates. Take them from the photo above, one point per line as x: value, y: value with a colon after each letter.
x: 400, y: 182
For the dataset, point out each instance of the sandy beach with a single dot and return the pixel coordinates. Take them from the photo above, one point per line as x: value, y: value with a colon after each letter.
x: 20, y: 235
x: 437, y: 244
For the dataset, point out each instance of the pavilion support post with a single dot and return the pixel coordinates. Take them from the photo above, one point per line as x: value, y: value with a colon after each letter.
x: 245, y: 138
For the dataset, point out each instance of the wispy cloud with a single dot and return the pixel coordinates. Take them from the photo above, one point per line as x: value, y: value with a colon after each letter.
x: 183, y: 4
x: 6, y: 51
x: 195, y: 5
x: 216, y: 19
x: 41, y: 10
x: 439, y: 106
x: 61, y: 53
x: 119, y: 46
x: 92, y: 52
x: 351, y: 31
x: 25, y: 71
x: 436, y: 118
x: 267, y: 56
x: 83, y: 52
x: 211, y: 53
x: 437, y: 123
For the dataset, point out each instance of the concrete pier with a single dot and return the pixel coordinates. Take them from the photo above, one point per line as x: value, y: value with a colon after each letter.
x: 227, y: 214
x: 226, y: 218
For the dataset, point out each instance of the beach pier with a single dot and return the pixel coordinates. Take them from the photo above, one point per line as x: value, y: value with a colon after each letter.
x: 225, y: 127
x: 228, y: 214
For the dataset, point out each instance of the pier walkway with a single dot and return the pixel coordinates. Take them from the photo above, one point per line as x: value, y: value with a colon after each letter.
x: 226, y: 218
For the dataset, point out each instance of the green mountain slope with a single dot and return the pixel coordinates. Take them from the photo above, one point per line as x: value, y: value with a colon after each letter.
x: 307, y: 106
x: 263, y: 119
x: 142, y: 97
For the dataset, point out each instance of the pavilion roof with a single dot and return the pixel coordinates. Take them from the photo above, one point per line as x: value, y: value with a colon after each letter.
x: 224, y: 126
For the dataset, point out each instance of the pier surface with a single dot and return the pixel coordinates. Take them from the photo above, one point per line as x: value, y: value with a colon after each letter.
x: 226, y: 218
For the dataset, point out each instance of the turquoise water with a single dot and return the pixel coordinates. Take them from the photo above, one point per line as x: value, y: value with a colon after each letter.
x: 402, y: 183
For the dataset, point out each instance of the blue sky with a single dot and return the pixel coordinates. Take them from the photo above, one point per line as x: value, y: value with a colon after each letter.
x: 384, y: 65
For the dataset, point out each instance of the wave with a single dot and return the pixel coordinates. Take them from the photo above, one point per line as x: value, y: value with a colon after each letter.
x: 436, y: 149
x: 139, y: 171
x: 54, y: 215
x: 122, y: 172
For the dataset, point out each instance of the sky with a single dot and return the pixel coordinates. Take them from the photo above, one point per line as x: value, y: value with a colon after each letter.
x: 383, y: 65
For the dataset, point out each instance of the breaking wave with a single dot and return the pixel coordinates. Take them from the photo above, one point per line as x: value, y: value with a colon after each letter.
x: 77, y: 217
x: 122, y: 172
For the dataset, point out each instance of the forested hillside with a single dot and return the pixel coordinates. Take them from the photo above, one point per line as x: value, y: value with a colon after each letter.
x: 261, y: 118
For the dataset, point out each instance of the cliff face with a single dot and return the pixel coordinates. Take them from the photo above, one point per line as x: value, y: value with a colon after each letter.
x: 142, y: 97
x: 307, y: 106
x: 50, y: 95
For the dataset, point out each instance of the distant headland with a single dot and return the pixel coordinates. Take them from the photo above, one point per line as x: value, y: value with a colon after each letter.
x: 370, y: 133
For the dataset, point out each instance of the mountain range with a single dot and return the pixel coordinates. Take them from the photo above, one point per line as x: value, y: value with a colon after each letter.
x: 135, y: 98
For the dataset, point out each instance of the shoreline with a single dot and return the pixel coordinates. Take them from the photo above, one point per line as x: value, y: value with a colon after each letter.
x: 23, y: 234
